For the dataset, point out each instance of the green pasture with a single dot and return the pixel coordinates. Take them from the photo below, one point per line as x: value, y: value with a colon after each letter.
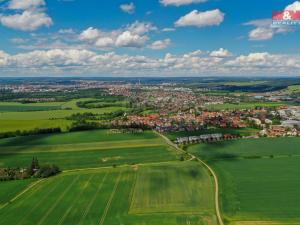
x: 107, y: 197
x: 259, y: 179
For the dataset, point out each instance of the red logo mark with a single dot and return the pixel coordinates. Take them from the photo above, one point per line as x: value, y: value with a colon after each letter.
x: 286, y: 15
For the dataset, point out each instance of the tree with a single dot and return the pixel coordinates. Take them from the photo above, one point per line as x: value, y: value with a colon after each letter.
x: 33, y: 167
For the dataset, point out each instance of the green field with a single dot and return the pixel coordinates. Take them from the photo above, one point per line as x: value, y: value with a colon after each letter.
x: 20, y: 107
x: 242, y: 131
x: 85, y: 149
x: 244, y: 83
x: 113, y: 196
x: 259, y: 179
x: 17, y: 116
x: 243, y: 105
x: 295, y: 88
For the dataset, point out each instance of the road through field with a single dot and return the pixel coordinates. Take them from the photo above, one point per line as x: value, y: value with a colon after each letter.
x: 168, y: 141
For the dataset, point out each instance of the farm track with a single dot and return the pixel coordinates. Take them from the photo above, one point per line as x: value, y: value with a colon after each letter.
x: 38, y: 203
x: 217, y: 207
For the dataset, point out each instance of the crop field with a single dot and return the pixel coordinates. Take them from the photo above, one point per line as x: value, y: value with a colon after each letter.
x: 19, y: 107
x: 113, y: 196
x: 17, y: 116
x: 295, y: 88
x: 243, y: 105
x: 242, y: 131
x: 13, y: 125
x: 259, y: 179
x: 85, y: 149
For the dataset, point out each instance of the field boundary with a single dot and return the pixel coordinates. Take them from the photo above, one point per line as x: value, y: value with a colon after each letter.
x: 21, y: 193
x: 217, y: 208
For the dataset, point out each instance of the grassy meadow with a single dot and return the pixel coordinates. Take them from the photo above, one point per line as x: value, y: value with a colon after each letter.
x: 259, y: 179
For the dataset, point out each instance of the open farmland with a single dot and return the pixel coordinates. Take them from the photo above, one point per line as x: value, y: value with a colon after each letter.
x: 17, y: 116
x: 20, y: 107
x: 241, y: 131
x: 259, y: 179
x: 85, y: 149
x: 109, y: 196
x: 243, y: 105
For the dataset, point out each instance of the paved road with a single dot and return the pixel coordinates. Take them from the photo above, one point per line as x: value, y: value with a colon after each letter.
x: 209, y: 169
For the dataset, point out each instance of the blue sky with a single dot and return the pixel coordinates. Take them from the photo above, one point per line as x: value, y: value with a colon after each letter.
x: 146, y: 37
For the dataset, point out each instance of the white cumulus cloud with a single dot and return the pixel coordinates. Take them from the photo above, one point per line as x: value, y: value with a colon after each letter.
x: 26, y: 21
x: 264, y: 30
x: 133, y: 35
x: 128, y: 8
x: 201, y: 19
x: 27, y: 15
x: 160, y: 44
x: 180, y: 2
x: 25, y: 4
x: 294, y: 6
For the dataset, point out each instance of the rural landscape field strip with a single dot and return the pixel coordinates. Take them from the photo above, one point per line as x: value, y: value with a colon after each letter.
x: 41, y: 221
x: 75, y: 199
x: 110, y: 199
x: 256, y: 182
x: 86, y: 211
x: 217, y: 201
x: 102, y: 194
x: 80, y: 147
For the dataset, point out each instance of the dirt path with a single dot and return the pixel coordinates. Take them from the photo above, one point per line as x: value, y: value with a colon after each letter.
x: 218, y: 213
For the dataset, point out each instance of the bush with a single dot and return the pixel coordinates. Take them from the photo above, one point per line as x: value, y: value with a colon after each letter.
x: 47, y: 171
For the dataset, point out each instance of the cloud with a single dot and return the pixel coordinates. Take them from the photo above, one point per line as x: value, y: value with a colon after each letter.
x: 294, y: 6
x: 89, y: 34
x: 160, y: 44
x: 128, y: 8
x: 27, y: 4
x: 31, y: 17
x: 201, y: 19
x: 128, y: 39
x: 168, y: 29
x: 197, y: 63
x: 133, y: 35
x: 180, y: 2
x: 104, y: 42
x: 264, y: 30
x: 221, y: 53
x: 26, y: 21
